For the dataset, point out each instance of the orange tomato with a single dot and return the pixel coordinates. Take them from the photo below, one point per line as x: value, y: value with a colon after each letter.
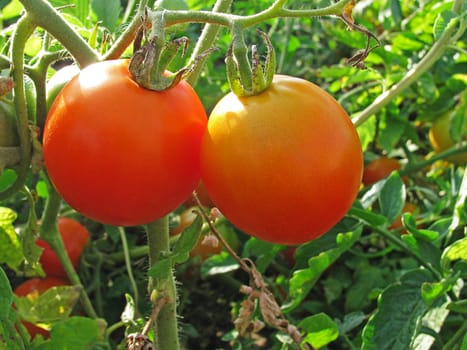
x: 285, y: 165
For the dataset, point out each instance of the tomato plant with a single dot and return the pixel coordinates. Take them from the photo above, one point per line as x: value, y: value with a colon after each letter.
x: 36, y: 286
x: 440, y: 138
x: 8, y: 132
x: 75, y: 237
x: 125, y: 163
x: 284, y: 165
x: 408, y: 208
x: 378, y: 169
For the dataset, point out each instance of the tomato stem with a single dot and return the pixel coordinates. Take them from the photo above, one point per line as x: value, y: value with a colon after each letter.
x: 165, y: 325
x: 44, y: 15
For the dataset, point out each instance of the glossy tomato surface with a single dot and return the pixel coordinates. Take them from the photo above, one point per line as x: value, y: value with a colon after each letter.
x: 75, y: 237
x: 38, y: 286
x: 284, y: 166
x: 441, y: 139
x: 121, y: 154
x: 378, y: 169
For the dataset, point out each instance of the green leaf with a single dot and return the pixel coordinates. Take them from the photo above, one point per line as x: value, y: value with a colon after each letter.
x: 218, y: 264
x: 400, y: 309
x: 367, y: 131
x: 76, y: 333
x: 396, y: 12
x: 456, y: 251
x: 303, y: 280
x: 368, y: 217
x: 52, y: 306
x: 7, y: 177
x: 82, y: 9
x: 423, y: 248
x: 187, y: 241
x: 459, y: 306
x: 264, y: 252
x: 433, y: 291
x: 351, y: 321
x: 392, y: 197
x: 442, y: 22
x: 366, y: 279
x: 320, y: 330
x: 13, y: 9
x: 108, y: 11
x: 11, y: 252
x: 6, y: 295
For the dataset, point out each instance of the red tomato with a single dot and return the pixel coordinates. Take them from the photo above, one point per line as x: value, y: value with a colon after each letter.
x: 119, y: 153
x: 75, y: 237
x: 378, y: 169
x: 285, y: 165
x: 39, y: 286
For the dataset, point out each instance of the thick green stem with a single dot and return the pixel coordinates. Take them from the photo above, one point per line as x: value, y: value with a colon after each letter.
x: 126, y: 38
x: 205, y: 41
x: 45, y: 16
x: 165, y: 325
x: 50, y: 234
x: 436, y: 51
x: 24, y: 28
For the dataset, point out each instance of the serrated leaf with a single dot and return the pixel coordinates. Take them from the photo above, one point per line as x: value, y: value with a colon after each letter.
x: 442, y: 22
x: 366, y: 279
x: 76, y: 333
x: 320, y: 330
x: 108, y: 11
x: 456, y: 251
x: 303, y: 280
x: 11, y: 252
x: 400, y: 309
x: 53, y: 305
x: 392, y: 197
x: 432, y: 291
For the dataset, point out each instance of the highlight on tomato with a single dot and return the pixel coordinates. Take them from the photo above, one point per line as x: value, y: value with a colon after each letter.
x: 441, y: 139
x: 38, y: 286
x: 378, y: 169
x: 75, y: 238
x: 285, y: 165
x: 119, y: 153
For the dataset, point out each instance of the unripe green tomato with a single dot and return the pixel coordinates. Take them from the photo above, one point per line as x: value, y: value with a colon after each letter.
x: 8, y: 131
x: 58, y: 81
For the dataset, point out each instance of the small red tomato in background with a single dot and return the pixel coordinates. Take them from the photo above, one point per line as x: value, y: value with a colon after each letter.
x: 378, y: 169
x: 75, y: 237
x: 38, y: 286
x: 408, y: 208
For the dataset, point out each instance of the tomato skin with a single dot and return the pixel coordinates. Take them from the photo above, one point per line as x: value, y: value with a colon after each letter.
x: 285, y: 165
x: 121, y: 154
x: 38, y: 285
x: 441, y: 140
x: 75, y: 237
x: 378, y: 169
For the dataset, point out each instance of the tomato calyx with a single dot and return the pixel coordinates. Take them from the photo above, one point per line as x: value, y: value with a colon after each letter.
x: 150, y: 60
x: 245, y: 79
